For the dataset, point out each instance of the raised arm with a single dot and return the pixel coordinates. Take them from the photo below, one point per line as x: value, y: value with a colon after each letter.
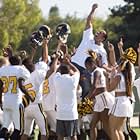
x: 45, y: 50
x: 96, y: 80
x: 33, y: 51
x: 120, y: 46
x: 53, y: 67
x: 112, y: 81
x: 72, y: 67
x: 90, y: 17
x: 63, y: 47
x: 112, y: 57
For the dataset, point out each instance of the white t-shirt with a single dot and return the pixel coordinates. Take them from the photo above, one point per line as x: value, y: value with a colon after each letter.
x: 87, y: 43
x: 10, y: 75
x: 66, y: 98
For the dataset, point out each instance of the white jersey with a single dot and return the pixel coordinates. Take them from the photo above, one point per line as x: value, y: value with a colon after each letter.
x: 87, y: 43
x: 49, y: 93
x: 10, y: 75
x: 34, y: 82
x: 34, y: 110
x: 41, y: 65
x: 66, y: 97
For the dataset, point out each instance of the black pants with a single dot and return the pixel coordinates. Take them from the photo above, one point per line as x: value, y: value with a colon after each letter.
x: 131, y: 134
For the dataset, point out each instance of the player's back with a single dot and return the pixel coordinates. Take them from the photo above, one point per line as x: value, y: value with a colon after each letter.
x: 10, y: 75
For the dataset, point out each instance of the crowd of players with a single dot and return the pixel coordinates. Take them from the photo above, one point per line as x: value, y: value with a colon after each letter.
x: 47, y: 93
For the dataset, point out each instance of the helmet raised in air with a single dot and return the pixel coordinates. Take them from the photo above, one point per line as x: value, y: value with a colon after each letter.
x: 45, y: 31
x: 38, y: 36
x: 62, y: 32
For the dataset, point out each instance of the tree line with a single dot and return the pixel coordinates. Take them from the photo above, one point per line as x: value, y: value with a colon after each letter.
x: 18, y: 19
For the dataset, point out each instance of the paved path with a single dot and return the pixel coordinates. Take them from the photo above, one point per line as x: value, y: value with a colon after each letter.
x: 134, y: 121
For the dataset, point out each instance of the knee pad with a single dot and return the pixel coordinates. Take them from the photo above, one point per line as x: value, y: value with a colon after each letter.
x: 4, y: 133
x: 15, y: 135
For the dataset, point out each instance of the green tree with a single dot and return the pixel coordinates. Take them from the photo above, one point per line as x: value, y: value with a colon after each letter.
x: 112, y: 26
x: 17, y: 19
x: 129, y: 28
x: 54, y: 12
x: 77, y: 27
x: 54, y: 18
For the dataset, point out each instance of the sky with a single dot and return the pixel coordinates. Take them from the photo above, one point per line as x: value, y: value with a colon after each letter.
x: 79, y: 7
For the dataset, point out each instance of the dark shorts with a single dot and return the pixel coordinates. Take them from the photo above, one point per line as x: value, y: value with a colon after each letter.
x: 67, y: 128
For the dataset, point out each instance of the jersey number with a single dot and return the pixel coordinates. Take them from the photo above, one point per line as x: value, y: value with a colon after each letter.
x: 8, y: 81
x: 31, y: 92
x: 46, y: 87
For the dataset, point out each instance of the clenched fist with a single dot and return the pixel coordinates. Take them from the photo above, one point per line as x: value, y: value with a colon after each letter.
x: 94, y: 6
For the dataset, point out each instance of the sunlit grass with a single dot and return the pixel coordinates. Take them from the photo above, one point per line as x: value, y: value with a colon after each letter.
x: 137, y: 130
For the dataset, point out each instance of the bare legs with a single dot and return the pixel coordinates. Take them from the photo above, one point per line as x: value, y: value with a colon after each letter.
x: 93, y: 130
x: 116, y: 124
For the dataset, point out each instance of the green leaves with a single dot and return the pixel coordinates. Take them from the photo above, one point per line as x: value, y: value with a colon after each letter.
x: 17, y: 19
x: 129, y: 27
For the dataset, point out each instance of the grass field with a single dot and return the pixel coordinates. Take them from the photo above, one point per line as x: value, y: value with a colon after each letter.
x: 137, y: 130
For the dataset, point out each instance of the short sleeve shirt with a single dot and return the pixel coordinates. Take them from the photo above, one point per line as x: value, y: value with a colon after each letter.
x: 87, y: 43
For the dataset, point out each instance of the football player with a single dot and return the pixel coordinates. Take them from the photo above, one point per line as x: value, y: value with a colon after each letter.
x: 10, y: 76
x: 35, y: 110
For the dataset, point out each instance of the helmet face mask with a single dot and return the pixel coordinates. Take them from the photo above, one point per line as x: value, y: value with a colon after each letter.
x: 38, y: 36
x: 45, y: 32
x: 36, y: 39
x: 62, y: 32
x: 64, y: 38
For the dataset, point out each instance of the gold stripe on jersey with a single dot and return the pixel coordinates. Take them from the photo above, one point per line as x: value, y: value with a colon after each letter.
x: 45, y: 120
x: 25, y: 101
x: 46, y: 87
x: 21, y: 119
